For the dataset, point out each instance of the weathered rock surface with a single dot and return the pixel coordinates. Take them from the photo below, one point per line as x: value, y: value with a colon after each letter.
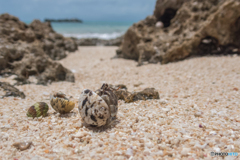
x: 128, y: 97
x: 165, y: 10
x: 12, y: 30
x: 27, y: 60
x: 99, y: 42
x: 183, y: 28
x: 7, y: 90
x: 121, y: 92
x: 27, y: 50
x: 54, y: 44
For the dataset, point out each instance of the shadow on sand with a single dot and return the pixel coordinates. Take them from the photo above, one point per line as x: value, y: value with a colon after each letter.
x: 102, y: 128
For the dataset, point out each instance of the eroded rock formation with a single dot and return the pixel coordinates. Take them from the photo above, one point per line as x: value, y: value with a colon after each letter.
x: 54, y: 44
x: 182, y: 28
x: 27, y: 50
x: 7, y: 90
x: 123, y: 94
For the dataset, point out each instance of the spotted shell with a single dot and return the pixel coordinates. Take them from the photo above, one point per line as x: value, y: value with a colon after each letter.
x: 60, y: 103
x: 97, y: 108
x: 108, y: 95
x: 38, y: 109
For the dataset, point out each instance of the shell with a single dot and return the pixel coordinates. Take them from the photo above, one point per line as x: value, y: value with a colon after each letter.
x: 38, y: 109
x: 60, y: 103
x: 22, y: 145
x: 98, y: 108
x: 108, y: 95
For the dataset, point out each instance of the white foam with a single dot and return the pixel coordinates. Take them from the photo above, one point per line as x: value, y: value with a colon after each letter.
x: 105, y: 36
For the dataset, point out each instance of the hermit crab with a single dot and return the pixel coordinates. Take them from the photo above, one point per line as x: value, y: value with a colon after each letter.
x: 61, y: 103
x: 38, y: 109
x: 98, y: 108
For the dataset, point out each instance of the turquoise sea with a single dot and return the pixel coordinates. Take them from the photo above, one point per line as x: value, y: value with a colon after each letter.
x: 103, y: 30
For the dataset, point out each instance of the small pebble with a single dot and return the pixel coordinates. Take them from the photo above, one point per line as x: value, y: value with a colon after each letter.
x: 198, y: 114
x: 22, y: 145
x: 185, y: 151
x: 129, y: 152
x: 81, y: 134
x: 159, y: 24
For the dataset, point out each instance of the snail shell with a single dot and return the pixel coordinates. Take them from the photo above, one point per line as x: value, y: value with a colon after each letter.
x: 108, y: 95
x: 38, y: 109
x: 98, y: 108
x: 60, y: 103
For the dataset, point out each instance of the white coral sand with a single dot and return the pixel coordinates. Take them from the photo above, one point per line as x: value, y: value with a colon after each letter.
x: 198, y: 112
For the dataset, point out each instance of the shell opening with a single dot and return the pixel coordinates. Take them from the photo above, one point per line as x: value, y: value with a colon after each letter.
x: 60, y: 95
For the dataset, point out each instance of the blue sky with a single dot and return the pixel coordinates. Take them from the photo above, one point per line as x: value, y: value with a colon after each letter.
x: 87, y: 10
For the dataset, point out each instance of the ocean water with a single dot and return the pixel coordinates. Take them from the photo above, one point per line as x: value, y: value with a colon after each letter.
x: 103, y: 30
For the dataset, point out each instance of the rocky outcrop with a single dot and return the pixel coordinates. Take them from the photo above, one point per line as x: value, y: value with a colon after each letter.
x: 123, y: 94
x: 27, y: 60
x: 12, y: 30
x: 183, y: 28
x: 99, y: 42
x: 27, y: 50
x: 54, y: 44
x: 7, y: 90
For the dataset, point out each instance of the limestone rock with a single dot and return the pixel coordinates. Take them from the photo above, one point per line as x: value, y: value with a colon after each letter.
x: 27, y: 50
x: 27, y: 60
x: 165, y: 10
x: 15, y: 31
x: 128, y: 97
x: 191, y: 27
x: 54, y: 44
x: 10, y: 90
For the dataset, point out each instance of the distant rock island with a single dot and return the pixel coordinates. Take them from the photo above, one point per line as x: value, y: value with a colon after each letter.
x: 64, y: 20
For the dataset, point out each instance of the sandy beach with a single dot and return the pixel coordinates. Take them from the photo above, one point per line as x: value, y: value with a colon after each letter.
x: 198, y: 111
